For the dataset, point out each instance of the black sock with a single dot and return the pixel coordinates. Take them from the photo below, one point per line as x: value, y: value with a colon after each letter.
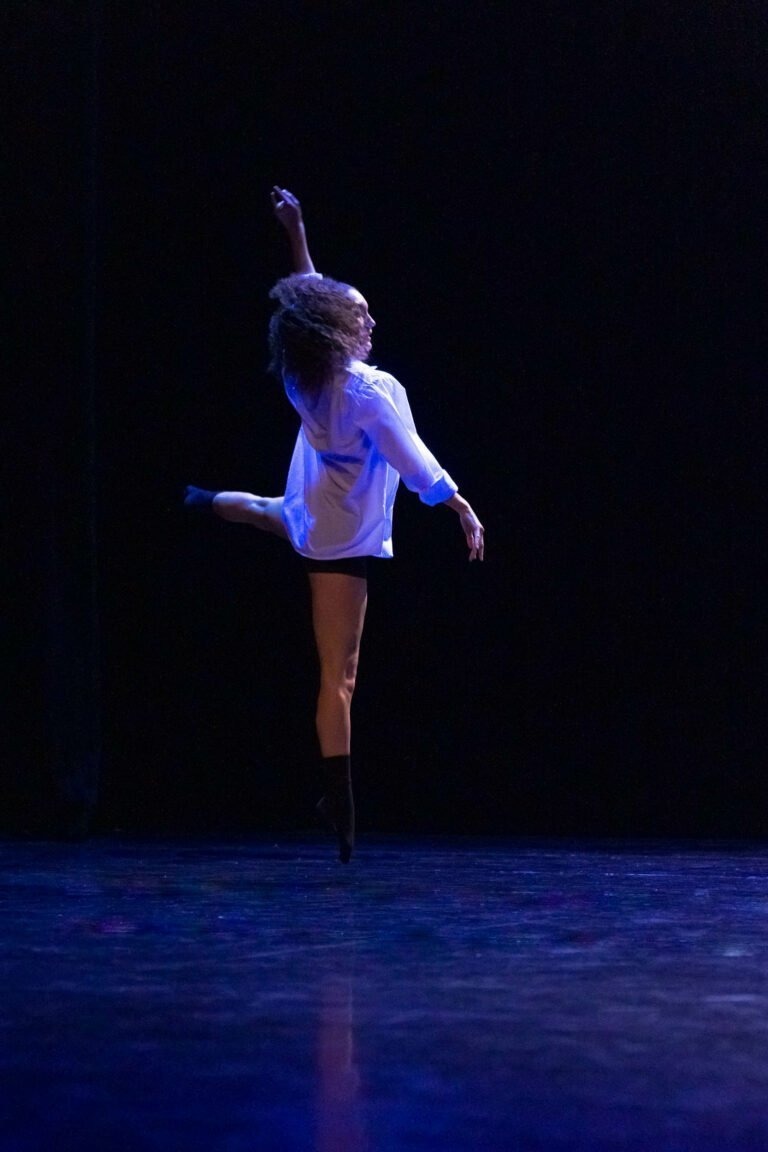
x: 337, y: 807
x: 198, y: 498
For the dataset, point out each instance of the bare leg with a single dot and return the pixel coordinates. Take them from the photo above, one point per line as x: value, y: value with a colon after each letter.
x: 338, y: 614
x: 263, y: 512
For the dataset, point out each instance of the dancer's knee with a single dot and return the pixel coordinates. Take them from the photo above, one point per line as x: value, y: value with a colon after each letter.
x: 340, y: 683
x: 263, y: 512
x: 258, y: 513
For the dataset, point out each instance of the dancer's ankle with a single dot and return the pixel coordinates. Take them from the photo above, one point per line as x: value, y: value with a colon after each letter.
x: 199, y: 498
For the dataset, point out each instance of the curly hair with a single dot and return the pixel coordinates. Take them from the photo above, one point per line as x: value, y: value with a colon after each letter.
x: 315, y: 330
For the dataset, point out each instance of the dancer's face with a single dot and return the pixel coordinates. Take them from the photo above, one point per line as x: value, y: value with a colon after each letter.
x: 367, y: 324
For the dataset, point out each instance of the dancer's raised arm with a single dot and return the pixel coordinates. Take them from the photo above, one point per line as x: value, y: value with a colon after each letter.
x: 288, y: 212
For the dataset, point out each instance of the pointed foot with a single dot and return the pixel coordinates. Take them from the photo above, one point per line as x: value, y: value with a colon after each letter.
x: 341, y: 827
x: 198, y: 498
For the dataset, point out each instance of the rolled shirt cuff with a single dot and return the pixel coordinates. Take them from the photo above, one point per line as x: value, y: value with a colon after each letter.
x: 442, y: 489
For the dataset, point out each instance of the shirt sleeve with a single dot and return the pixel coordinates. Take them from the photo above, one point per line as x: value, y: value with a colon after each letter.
x: 382, y: 411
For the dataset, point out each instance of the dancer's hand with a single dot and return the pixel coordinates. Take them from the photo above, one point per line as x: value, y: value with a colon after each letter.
x: 287, y: 209
x: 474, y: 533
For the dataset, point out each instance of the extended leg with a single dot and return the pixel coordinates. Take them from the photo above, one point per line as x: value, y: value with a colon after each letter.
x: 263, y: 512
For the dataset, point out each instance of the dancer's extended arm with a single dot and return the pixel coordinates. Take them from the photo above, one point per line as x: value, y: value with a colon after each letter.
x: 288, y: 212
x: 385, y: 415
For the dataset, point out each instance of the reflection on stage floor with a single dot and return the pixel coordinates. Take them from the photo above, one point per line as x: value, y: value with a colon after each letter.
x: 442, y: 994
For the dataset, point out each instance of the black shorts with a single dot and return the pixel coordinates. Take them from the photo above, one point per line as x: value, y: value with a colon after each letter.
x: 350, y: 566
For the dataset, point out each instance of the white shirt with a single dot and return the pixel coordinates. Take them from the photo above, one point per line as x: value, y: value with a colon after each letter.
x: 357, y: 440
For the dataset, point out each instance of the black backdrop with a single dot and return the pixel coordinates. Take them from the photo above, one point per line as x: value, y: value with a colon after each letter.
x: 555, y: 212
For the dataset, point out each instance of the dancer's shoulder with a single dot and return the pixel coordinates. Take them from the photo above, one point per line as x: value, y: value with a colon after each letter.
x: 366, y: 379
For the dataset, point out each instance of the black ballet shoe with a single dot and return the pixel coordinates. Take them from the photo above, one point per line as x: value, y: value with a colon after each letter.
x: 198, y: 498
x: 337, y: 815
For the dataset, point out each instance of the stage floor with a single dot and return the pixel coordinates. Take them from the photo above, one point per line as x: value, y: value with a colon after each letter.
x: 441, y: 994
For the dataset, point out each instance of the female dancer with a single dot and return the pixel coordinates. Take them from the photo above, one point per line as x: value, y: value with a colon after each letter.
x: 356, y: 441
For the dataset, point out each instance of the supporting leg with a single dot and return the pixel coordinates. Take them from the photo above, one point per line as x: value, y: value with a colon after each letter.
x: 338, y: 614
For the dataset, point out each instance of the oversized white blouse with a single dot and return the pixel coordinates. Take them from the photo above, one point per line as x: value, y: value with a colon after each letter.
x: 356, y: 441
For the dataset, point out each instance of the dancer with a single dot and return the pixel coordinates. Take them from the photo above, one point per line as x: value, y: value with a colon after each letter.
x: 356, y: 441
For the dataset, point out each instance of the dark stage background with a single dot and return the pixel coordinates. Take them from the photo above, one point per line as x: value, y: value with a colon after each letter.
x: 557, y: 213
